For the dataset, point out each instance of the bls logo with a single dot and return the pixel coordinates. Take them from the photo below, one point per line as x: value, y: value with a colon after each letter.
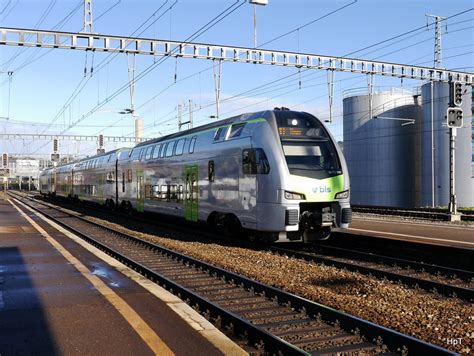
x: 321, y: 189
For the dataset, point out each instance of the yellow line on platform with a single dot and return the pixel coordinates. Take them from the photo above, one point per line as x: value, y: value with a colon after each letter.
x: 147, y: 334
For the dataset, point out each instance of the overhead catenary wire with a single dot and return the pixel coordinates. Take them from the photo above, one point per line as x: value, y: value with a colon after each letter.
x: 145, y: 72
x: 307, y: 24
x: 290, y: 75
x: 83, y: 82
x: 21, y: 50
x: 211, y: 23
x: 33, y: 58
x: 419, y: 30
x: 9, y: 11
x: 270, y: 90
x: 5, y: 7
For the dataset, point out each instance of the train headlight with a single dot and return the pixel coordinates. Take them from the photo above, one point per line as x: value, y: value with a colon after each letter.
x: 294, y: 196
x: 342, y: 195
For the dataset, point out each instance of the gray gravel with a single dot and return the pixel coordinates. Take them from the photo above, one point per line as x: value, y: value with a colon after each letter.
x: 427, y: 316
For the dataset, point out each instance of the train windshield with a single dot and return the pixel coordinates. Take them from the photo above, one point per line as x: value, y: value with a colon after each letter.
x: 308, y: 149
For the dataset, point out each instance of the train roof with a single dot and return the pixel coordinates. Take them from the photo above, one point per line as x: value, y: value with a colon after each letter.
x: 88, y: 158
x: 212, y: 125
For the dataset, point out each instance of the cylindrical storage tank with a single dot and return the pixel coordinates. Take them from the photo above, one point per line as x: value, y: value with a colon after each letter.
x: 381, y: 151
x: 435, y: 148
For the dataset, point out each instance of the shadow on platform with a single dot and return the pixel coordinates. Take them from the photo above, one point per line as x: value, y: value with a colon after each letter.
x: 24, y: 327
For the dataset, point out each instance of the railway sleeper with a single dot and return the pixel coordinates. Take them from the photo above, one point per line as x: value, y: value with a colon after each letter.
x: 222, y: 299
x: 258, y: 308
x: 270, y: 314
x: 323, y: 339
x: 199, y: 279
x: 245, y: 308
x: 267, y: 325
x: 243, y: 301
x: 303, y: 330
x: 353, y: 349
x: 211, y: 287
x: 204, y: 285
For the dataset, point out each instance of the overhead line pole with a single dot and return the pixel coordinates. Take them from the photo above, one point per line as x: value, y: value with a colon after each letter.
x: 437, y: 64
x: 88, y: 16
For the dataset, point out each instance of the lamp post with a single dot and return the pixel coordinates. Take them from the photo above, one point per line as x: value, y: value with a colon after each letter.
x: 255, y: 3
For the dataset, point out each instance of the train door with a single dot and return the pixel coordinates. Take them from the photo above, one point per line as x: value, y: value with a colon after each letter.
x: 101, y: 187
x: 140, y: 191
x: 53, y: 183
x: 191, y: 194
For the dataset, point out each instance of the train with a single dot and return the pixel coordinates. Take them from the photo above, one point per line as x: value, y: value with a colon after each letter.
x: 278, y: 175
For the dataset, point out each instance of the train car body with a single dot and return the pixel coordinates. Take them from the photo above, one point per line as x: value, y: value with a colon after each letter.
x: 64, y: 179
x: 95, y: 178
x: 46, y: 185
x: 278, y: 173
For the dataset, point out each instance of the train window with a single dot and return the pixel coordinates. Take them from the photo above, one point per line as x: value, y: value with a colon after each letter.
x: 254, y: 161
x: 156, y: 152
x: 210, y: 171
x: 163, y: 149
x: 170, y: 148
x: 180, y: 193
x: 219, y: 133
x: 192, y: 143
x: 180, y: 147
x: 110, y: 177
x: 148, y: 152
x: 123, y: 181
x: 140, y: 155
x: 236, y: 130
x: 164, y: 192
x: 129, y: 175
x: 173, y: 192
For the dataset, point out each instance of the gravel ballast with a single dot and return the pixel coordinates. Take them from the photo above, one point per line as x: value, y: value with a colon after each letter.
x: 447, y: 322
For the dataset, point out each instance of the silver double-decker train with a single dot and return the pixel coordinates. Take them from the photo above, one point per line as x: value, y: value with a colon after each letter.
x: 277, y: 174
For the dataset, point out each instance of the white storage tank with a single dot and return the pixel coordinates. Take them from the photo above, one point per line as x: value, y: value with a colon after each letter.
x: 382, y: 151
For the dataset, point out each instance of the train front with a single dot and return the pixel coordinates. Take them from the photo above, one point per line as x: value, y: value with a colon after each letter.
x: 315, y: 193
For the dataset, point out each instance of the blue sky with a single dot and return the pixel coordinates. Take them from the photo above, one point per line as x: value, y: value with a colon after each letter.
x: 38, y: 91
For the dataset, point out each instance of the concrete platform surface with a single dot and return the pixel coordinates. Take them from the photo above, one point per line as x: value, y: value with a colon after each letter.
x: 62, y: 299
x: 436, y: 233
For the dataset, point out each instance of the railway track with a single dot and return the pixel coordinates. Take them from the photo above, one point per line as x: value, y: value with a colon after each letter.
x: 269, y: 319
x: 450, y: 282
x: 422, y: 213
x: 446, y: 281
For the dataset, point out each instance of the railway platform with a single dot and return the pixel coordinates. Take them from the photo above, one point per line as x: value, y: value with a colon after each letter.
x: 433, y: 233
x: 60, y: 297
